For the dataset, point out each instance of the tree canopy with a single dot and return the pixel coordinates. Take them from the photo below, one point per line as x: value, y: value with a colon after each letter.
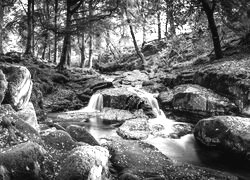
x: 63, y: 31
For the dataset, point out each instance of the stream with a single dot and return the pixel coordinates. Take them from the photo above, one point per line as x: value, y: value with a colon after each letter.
x: 183, y: 150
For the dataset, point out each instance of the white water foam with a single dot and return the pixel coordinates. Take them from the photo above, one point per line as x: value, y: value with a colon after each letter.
x: 95, y: 105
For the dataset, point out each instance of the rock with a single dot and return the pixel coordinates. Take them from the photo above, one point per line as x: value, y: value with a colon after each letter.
x: 14, y: 130
x: 29, y: 115
x: 134, y: 129
x: 123, y: 98
x: 139, y: 160
x: 59, y: 140
x: 62, y: 100
x: 113, y: 116
x: 3, y: 86
x: 37, y: 101
x: 230, y: 78
x: 59, y: 78
x: 80, y: 134
x: 23, y: 161
x: 141, y: 129
x: 19, y: 85
x: 85, y: 162
x: 230, y: 133
x: 196, y: 101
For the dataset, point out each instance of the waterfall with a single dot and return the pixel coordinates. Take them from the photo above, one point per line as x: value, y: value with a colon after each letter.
x: 95, y: 104
x: 151, y: 100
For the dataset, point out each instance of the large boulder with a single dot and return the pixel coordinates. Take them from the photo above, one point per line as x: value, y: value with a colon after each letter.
x: 230, y: 133
x: 29, y: 115
x: 127, y: 99
x: 14, y: 130
x: 230, y: 78
x: 60, y: 140
x: 85, y: 162
x: 19, y: 85
x: 23, y: 161
x: 196, y: 100
x: 135, y: 160
x: 80, y: 134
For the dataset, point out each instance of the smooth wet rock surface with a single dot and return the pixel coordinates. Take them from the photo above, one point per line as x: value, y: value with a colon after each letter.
x: 230, y: 133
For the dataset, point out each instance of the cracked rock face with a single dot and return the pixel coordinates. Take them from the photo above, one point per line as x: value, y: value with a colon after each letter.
x: 230, y: 133
x: 197, y: 101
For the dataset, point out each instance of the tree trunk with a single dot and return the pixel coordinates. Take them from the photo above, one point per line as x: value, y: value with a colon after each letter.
x: 29, y: 24
x: 45, y: 46
x: 107, y: 39
x: 33, y: 28
x: 90, y: 35
x: 49, y: 53
x: 82, y: 51
x: 211, y: 23
x: 69, y: 53
x: 170, y: 16
x: 167, y: 21
x: 55, y: 35
x: 144, y: 33
x: 66, y: 41
x: 159, y: 24
x: 1, y: 26
x: 138, y: 51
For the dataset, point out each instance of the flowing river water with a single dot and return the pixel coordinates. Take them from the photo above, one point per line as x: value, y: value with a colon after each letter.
x: 183, y: 150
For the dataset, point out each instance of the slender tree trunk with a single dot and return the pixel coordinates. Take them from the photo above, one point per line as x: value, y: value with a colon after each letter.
x: 69, y: 53
x: 29, y: 24
x: 144, y: 35
x: 90, y: 35
x: 170, y: 19
x: 66, y: 41
x: 49, y: 53
x: 167, y: 21
x: 55, y: 35
x: 82, y: 51
x: 138, y: 51
x: 159, y: 24
x: 33, y: 28
x: 1, y: 27
x: 45, y: 46
x: 107, y: 39
x: 209, y: 10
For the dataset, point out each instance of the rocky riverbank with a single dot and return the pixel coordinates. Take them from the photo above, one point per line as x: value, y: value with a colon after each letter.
x: 34, y: 146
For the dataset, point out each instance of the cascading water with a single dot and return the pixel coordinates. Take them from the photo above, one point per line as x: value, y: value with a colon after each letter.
x: 184, y: 149
x: 95, y: 104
